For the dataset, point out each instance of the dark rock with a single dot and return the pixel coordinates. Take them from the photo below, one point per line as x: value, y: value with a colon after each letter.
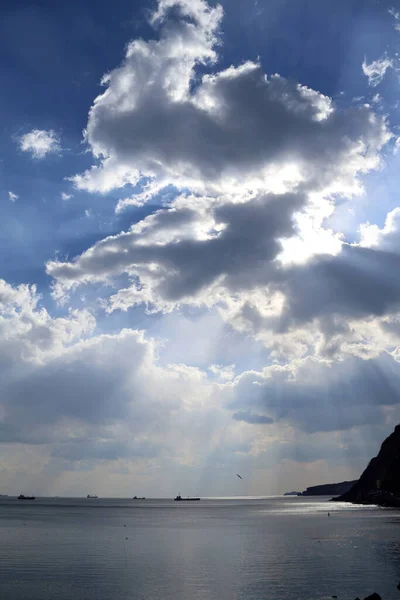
x: 373, y: 596
x: 329, y: 489
x: 379, y: 483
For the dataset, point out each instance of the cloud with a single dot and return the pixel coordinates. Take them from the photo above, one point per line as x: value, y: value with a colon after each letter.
x: 80, y: 399
x: 355, y: 284
x: 156, y: 73
x: 65, y: 196
x: 315, y: 395
x: 13, y: 197
x: 376, y: 70
x: 386, y: 238
x: 217, y: 250
x: 261, y: 161
x: 40, y: 143
x: 237, y: 269
x: 194, y: 244
x: 108, y: 450
x: 88, y: 395
x: 224, y: 373
x: 377, y: 99
x: 396, y: 15
x: 236, y: 131
x: 252, y: 418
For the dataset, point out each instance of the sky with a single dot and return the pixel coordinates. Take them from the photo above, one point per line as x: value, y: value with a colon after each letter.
x: 201, y: 243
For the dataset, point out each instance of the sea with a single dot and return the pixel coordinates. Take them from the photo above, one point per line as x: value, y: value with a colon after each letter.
x: 282, y: 548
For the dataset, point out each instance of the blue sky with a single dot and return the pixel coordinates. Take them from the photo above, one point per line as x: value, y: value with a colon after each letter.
x: 186, y: 285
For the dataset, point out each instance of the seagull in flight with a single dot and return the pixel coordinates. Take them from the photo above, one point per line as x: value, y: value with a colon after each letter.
x: 237, y: 475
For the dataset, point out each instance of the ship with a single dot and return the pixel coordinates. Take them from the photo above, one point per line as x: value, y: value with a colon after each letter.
x: 22, y: 497
x: 188, y: 499
x: 91, y: 496
x: 136, y: 498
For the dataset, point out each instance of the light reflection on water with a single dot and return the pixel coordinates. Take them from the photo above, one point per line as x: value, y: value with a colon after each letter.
x: 313, y: 507
x: 241, y: 549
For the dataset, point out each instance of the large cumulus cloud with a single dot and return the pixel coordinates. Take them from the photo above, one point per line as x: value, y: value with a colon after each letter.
x: 232, y: 130
x: 257, y: 156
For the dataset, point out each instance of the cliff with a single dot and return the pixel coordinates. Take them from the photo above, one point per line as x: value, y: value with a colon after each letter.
x: 329, y: 489
x: 380, y: 482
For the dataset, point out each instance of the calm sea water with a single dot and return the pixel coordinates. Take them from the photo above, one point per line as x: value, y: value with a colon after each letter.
x: 247, y: 549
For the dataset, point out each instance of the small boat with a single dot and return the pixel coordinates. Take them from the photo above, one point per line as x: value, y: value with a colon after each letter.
x: 188, y: 499
x: 136, y: 498
x: 91, y: 496
x: 22, y: 497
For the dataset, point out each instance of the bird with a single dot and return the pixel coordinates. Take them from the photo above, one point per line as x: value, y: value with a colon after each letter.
x: 237, y: 475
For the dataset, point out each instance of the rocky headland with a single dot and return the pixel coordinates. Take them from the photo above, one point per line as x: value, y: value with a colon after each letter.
x: 380, y: 482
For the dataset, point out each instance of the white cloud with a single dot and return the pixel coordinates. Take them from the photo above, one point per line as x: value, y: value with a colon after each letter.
x: 65, y: 196
x: 396, y: 16
x: 376, y: 70
x: 377, y: 99
x: 385, y: 238
x: 224, y: 373
x: 40, y: 143
x: 13, y: 197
